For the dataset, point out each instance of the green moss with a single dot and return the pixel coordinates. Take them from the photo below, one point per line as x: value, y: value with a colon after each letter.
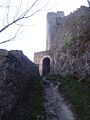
x: 78, y: 94
x: 67, y: 44
x: 37, y: 101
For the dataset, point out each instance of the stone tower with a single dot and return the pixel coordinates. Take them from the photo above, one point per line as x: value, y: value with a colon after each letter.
x: 53, y: 22
x: 44, y: 59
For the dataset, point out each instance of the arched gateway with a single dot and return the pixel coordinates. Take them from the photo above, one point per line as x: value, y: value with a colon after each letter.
x: 44, y: 62
x: 46, y: 66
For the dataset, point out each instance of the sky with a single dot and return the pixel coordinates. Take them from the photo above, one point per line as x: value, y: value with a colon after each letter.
x: 32, y: 37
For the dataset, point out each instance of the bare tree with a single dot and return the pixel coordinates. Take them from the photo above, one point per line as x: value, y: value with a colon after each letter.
x: 16, y: 14
x: 88, y: 2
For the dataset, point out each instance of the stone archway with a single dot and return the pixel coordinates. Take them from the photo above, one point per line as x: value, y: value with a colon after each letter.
x: 46, y: 66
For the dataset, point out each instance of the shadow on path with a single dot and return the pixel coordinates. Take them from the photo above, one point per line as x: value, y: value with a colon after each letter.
x: 55, y: 107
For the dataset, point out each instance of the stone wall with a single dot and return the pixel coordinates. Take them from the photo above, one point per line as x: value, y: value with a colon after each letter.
x: 74, y: 57
x: 68, y: 43
x: 16, y: 80
x: 39, y: 55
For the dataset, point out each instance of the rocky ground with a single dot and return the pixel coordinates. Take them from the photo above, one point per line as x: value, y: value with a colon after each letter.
x: 55, y: 106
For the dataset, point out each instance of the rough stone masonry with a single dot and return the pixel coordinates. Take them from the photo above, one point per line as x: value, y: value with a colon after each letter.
x: 67, y: 44
x: 16, y: 78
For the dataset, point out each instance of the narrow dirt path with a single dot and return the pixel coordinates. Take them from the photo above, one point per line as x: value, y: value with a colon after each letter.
x: 56, y: 108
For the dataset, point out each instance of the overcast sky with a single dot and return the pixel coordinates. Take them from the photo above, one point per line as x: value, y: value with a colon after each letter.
x: 33, y: 39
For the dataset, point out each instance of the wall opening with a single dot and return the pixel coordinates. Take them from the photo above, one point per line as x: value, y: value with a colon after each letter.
x: 46, y: 66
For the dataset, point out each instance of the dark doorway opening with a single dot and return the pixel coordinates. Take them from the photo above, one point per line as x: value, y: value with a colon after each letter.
x: 46, y: 66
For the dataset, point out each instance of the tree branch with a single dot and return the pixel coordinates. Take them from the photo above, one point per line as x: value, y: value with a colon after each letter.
x: 18, y: 17
x: 12, y: 37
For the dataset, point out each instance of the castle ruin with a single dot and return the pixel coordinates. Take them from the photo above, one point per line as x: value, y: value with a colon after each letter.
x: 67, y: 44
x: 44, y: 59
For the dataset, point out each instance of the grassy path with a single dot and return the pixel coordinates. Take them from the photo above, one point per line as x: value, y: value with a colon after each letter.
x: 56, y: 108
